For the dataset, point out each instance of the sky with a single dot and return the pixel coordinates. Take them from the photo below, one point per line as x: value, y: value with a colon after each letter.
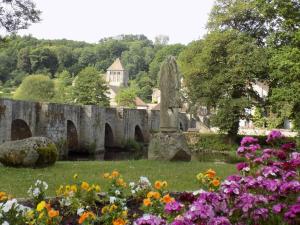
x: 90, y: 20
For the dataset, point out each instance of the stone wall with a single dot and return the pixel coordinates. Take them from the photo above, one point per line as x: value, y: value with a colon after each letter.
x: 82, y: 128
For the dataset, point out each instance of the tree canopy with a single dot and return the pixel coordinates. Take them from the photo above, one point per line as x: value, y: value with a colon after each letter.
x: 17, y: 14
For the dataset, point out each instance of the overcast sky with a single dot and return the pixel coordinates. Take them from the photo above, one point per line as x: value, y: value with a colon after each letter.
x: 91, y: 20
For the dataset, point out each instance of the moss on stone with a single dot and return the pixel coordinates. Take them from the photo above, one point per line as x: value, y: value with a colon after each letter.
x: 47, y: 155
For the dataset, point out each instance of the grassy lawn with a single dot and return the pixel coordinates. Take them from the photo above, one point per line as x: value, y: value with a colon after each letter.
x: 180, y: 175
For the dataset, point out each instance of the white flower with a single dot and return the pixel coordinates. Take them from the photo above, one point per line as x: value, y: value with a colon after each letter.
x: 112, y: 199
x: 145, y: 180
x: 125, y: 208
x: 8, y: 205
x: 198, y: 192
x: 38, y: 182
x: 117, y: 192
x: 246, y: 169
x: 80, y: 211
x: 36, y: 192
x: 5, y: 223
x: 133, y: 192
x: 65, y: 202
x: 45, y: 185
x: 131, y: 184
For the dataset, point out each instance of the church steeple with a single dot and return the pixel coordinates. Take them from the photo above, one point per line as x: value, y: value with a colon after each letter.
x: 117, y: 75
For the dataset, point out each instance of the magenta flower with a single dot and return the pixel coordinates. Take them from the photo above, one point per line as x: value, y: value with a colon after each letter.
x: 248, y: 140
x: 219, y: 221
x: 288, y: 146
x: 173, y: 207
x: 274, y: 135
x: 278, y: 207
x: 243, y: 167
x: 148, y: 219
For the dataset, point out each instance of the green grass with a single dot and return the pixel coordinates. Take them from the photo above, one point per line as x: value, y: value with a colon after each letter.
x: 180, y: 175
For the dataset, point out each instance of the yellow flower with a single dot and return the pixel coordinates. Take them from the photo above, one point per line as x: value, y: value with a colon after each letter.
x: 85, y: 186
x: 97, y: 188
x: 74, y: 188
x: 147, y: 202
x: 164, y: 184
x: 124, y: 213
x: 119, y: 221
x: 215, y: 182
x: 200, y: 176
x: 106, y: 175
x: 41, y: 215
x: 75, y: 176
x: 105, y: 209
x: 30, y: 214
x: 158, y: 184
x: 41, y: 206
x: 113, y: 207
x: 3, y: 196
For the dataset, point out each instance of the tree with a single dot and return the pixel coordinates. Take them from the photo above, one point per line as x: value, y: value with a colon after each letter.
x: 63, y: 87
x: 24, y: 62
x: 220, y: 71
x: 89, y: 88
x: 161, y: 40
x: 144, y: 86
x: 126, y: 97
x: 35, y: 88
x: 17, y: 14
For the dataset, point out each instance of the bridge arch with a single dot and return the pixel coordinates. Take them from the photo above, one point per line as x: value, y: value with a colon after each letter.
x: 72, y: 137
x: 109, y: 136
x: 20, y: 130
x: 138, y: 134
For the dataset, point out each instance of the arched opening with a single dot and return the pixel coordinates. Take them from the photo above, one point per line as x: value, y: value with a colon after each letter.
x: 181, y: 126
x: 109, y: 137
x: 20, y: 130
x: 110, y: 150
x: 72, y: 140
x: 138, y: 135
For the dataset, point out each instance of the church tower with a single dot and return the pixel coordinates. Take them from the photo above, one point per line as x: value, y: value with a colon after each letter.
x: 116, y: 74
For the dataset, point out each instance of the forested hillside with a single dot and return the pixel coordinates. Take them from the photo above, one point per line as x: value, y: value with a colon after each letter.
x: 24, y: 56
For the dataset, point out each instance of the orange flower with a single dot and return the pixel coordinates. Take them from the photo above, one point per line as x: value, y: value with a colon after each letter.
x: 147, y: 202
x: 48, y: 207
x: 3, y: 196
x: 167, y: 199
x: 210, y: 173
x: 216, y: 182
x: 158, y: 184
x: 53, y: 213
x: 86, y: 215
x: 115, y: 174
x: 153, y: 194
x: 119, y: 221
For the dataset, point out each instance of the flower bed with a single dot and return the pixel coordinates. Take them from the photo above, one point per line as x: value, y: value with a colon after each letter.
x: 264, y: 191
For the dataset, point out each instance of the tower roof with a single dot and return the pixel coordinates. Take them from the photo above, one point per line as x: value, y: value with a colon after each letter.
x: 117, y: 65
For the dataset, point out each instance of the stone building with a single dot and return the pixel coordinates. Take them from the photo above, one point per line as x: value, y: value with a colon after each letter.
x: 116, y: 77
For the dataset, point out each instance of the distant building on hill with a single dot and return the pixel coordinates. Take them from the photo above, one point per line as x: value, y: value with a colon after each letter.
x: 116, y: 77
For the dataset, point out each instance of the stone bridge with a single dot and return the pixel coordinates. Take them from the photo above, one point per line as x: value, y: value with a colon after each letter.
x: 90, y: 129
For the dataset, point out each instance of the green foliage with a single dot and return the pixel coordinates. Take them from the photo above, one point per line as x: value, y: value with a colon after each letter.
x: 47, y: 155
x: 160, y: 56
x: 89, y: 88
x: 63, y: 87
x: 43, y: 60
x: 18, y: 14
x: 35, y: 88
x: 126, y: 97
x: 258, y: 118
x: 219, y: 71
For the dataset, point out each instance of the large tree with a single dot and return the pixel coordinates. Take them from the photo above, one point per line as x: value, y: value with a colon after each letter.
x: 220, y: 71
x: 90, y: 88
x: 17, y: 14
x: 36, y: 88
